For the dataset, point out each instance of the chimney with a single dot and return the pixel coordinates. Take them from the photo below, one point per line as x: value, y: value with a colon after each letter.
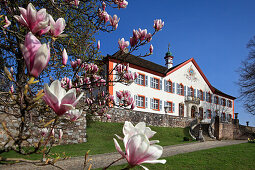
x: 169, y: 59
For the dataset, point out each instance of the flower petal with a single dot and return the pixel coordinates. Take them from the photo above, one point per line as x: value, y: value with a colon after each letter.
x: 149, y: 133
x: 162, y: 161
x: 143, y: 167
x: 118, y: 148
x: 153, y: 153
x: 77, y: 100
x: 56, y: 88
x: 136, y: 148
x: 128, y: 126
x: 40, y: 60
x: 69, y: 98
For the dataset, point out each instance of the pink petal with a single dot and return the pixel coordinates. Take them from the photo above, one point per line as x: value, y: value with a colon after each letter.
x: 117, y: 146
x: 40, y: 60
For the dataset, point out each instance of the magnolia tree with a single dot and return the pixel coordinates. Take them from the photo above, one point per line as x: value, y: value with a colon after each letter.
x: 41, y: 43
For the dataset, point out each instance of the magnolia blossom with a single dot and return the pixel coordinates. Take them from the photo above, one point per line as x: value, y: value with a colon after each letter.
x: 121, y: 3
x: 58, y: 99
x: 12, y: 89
x: 123, y: 44
x: 36, y: 55
x: 64, y: 57
x: 8, y: 23
x: 56, y: 28
x: 11, y: 70
x: 158, y: 24
x: 138, y: 149
x: 129, y: 130
x: 74, y: 114
x: 143, y: 34
x: 35, y: 21
x: 44, y: 131
x: 103, y: 15
x: 114, y: 21
x: 151, y: 49
x: 60, y: 134
x: 98, y: 44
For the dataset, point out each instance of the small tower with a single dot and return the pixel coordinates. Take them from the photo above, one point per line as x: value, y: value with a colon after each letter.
x: 169, y: 58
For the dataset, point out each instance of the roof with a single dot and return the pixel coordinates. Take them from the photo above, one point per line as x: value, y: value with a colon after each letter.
x: 138, y: 61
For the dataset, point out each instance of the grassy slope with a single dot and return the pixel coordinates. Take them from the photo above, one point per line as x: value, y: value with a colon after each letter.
x: 100, y: 140
x: 241, y: 156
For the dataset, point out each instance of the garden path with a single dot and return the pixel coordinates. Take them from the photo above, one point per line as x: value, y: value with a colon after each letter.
x: 102, y: 160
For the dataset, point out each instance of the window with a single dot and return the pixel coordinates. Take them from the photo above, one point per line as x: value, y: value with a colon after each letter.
x: 180, y: 89
x: 181, y: 110
x: 170, y: 106
x: 141, y: 79
x: 156, y: 104
x: 223, y: 117
x: 229, y: 103
x: 223, y: 102
x: 168, y: 86
x: 201, y: 113
x: 216, y: 99
x: 208, y: 97
x: 140, y: 101
x: 229, y: 117
x: 200, y: 95
x: 155, y: 83
x: 190, y: 91
x: 209, y: 114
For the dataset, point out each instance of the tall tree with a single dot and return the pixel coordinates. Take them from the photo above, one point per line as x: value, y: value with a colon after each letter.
x: 247, y: 78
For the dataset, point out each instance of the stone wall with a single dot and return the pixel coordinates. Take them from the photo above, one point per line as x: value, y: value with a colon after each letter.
x: 73, y: 132
x: 151, y: 119
x: 226, y: 130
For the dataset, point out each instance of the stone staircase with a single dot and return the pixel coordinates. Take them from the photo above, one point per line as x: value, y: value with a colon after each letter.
x: 207, y: 130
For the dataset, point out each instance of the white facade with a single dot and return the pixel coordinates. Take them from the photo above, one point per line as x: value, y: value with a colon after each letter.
x: 153, y: 94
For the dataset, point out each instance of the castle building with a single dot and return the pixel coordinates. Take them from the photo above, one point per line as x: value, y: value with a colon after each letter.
x: 181, y: 90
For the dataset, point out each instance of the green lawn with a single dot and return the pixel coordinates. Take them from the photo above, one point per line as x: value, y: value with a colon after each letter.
x: 100, y: 140
x: 237, y: 157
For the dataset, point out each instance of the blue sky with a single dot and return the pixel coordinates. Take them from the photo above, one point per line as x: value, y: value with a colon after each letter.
x: 213, y: 32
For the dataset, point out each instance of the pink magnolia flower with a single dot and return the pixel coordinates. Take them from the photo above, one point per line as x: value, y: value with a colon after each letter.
x: 56, y: 28
x: 132, y: 105
x: 60, y: 134
x: 114, y: 21
x: 44, y: 131
x: 108, y: 116
x: 123, y: 44
x: 129, y: 130
x: 74, y: 64
x: 35, y: 21
x: 158, y: 24
x: 103, y: 15
x: 143, y: 34
x: 136, y: 34
x: 103, y: 6
x: 78, y: 61
x: 151, y: 49
x: 148, y: 37
x: 98, y: 44
x: 74, y: 114
x: 36, y: 55
x: 119, y: 95
x: 121, y: 3
x: 138, y: 150
x: 8, y: 23
x: 11, y: 70
x: 58, y: 99
x: 12, y: 89
x: 133, y: 41
x: 64, y: 57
